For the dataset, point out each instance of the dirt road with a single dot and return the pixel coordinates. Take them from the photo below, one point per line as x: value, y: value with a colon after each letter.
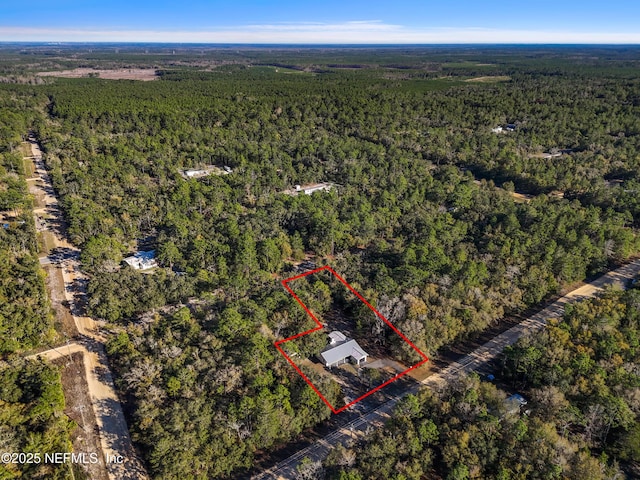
x: 474, y: 361
x: 60, y: 253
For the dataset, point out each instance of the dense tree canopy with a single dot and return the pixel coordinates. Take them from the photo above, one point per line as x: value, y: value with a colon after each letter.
x: 32, y: 419
x: 25, y: 318
x: 441, y: 223
x: 210, y: 389
x: 582, y: 371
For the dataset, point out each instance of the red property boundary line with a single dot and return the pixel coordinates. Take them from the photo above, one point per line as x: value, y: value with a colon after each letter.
x: 320, y: 327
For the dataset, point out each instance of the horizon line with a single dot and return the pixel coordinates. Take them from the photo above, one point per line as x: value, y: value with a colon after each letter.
x: 372, y: 32
x: 319, y: 44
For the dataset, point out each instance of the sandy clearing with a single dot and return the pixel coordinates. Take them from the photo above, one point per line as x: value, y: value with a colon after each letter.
x: 143, y: 74
x: 521, y: 197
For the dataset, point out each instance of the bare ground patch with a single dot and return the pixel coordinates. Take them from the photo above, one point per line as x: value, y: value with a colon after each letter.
x: 143, y: 74
x: 422, y: 372
x: 521, y: 197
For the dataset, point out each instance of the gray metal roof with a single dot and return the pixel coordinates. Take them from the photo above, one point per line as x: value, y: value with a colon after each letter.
x: 342, y: 351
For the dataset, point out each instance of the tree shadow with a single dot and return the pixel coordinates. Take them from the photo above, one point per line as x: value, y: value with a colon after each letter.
x: 62, y: 255
x: 114, y: 431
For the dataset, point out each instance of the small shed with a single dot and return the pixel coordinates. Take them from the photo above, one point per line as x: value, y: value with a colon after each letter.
x: 336, y: 338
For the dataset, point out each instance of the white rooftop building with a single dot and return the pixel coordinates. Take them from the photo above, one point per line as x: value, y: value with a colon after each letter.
x: 341, y: 350
x: 208, y: 170
x: 310, y: 188
x: 142, y: 260
x: 316, y: 187
x: 195, y: 173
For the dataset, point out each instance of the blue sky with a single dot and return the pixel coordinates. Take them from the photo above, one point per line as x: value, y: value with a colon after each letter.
x: 328, y: 21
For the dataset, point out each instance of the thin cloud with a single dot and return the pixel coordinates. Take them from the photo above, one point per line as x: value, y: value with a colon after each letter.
x: 357, y: 32
x: 311, y: 27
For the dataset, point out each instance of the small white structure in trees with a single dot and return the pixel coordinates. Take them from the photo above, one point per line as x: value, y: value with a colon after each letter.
x: 142, y: 260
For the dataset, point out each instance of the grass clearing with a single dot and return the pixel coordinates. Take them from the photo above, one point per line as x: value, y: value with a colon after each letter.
x: 47, y: 242
x: 279, y: 69
x: 489, y: 79
x: 467, y: 65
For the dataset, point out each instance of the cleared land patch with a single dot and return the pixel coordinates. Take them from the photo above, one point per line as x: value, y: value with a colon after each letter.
x: 143, y: 74
x: 489, y: 79
x: 85, y: 436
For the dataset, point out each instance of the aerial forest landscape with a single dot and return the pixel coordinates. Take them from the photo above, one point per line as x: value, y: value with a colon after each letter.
x: 173, y: 216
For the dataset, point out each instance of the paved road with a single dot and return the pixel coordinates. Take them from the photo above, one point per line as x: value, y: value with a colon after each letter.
x: 114, y: 433
x: 474, y: 361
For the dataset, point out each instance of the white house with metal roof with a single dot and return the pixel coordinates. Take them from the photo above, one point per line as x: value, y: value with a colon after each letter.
x: 310, y: 188
x: 341, y: 350
x: 142, y: 260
